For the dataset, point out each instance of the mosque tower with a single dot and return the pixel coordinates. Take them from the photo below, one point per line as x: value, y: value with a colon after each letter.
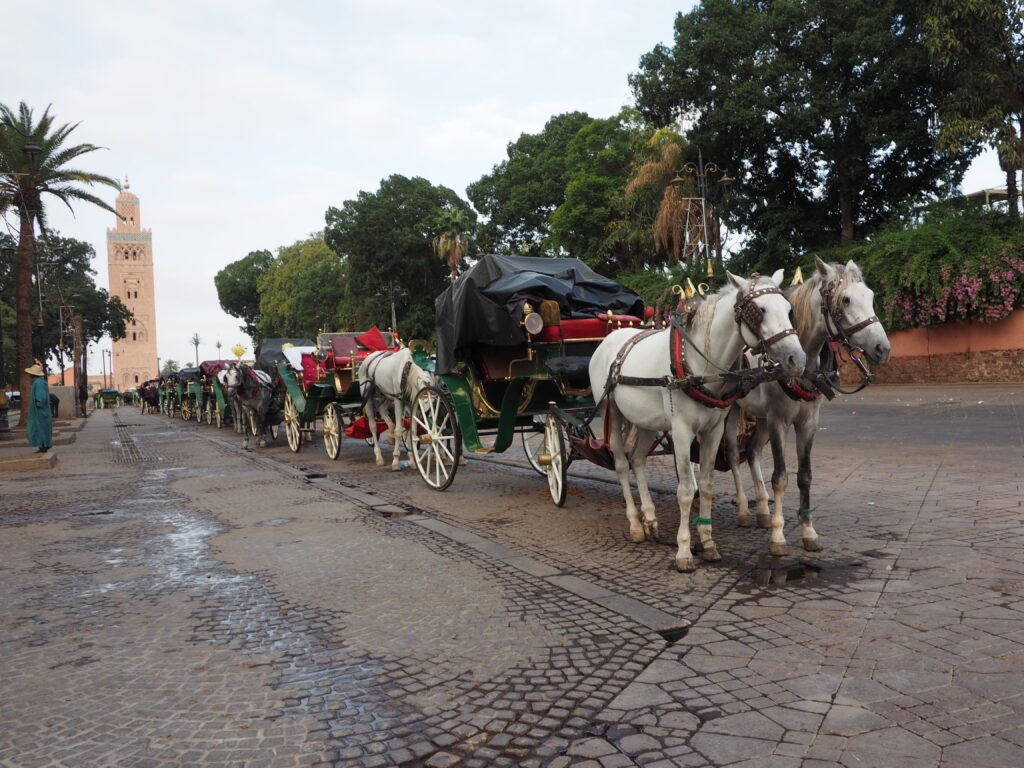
x: 130, y: 271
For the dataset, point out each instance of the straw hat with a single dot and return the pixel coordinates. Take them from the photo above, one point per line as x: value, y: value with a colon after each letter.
x: 35, y: 370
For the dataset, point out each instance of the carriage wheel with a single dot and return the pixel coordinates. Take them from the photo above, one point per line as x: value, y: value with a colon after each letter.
x: 186, y: 410
x: 533, y: 445
x: 254, y: 428
x: 436, y: 441
x: 557, y: 459
x: 209, y: 412
x: 199, y: 412
x: 292, y: 428
x: 332, y: 431
x: 218, y: 417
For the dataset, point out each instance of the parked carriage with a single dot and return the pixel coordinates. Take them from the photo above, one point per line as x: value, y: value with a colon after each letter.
x: 215, y: 406
x: 189, y: 392
x: 515, y: 336
x: 108, y: 398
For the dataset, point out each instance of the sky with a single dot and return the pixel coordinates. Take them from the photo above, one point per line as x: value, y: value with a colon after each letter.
x: 238, y: 122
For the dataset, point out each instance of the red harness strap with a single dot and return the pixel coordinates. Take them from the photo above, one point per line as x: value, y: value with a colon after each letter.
x: 698, y: 392
x: 796, y: 392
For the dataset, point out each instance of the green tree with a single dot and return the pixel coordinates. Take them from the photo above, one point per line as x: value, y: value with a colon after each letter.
x: 978, y: 46
x: 301, y: 293
x: 34, y: 158
x: 822, y: 111
x: 170, y: 366
x: 451, y: 243
x: 593, y: 221
x: 238, y: 289
x: 385, y: 239
x: 519, y: 195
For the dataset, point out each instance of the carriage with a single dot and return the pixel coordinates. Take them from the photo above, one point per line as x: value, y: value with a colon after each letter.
x: 189, y: 392
x: 515, y: 337
x: 108, y: 398
x: 215, y: 406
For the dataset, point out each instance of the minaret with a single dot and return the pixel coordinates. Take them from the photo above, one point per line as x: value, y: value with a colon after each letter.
x: 130, y: 270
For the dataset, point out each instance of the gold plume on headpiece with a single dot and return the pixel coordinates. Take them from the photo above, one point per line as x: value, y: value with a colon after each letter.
x: 798, y: 277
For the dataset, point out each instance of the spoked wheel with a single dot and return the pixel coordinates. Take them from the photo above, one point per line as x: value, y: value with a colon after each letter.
x: 186, y: 410
x: 436, y: 440
x: 292, y: 427
x: 254, y: 428
x: 332, y: 431
x: 556, y: 458
x: 533, y: 444
x: 199, y: 412
x: 218, y: 417
x: 209, y: 412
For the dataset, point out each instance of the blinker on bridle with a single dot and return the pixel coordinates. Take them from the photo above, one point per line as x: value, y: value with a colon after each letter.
x: 834, y: 317
x: 750, y: 314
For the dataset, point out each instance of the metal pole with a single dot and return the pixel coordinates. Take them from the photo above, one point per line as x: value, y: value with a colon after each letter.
x: 4, y: 424
x: 80, y: 384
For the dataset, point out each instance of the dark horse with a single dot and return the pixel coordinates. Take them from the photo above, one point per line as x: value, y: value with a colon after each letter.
x: 149, y: 396
x: 251, y: 394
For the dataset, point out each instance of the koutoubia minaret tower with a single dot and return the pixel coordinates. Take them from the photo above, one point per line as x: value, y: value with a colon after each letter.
x: 130, y: 270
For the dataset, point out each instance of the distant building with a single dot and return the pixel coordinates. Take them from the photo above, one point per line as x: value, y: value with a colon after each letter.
x: 130, y: 270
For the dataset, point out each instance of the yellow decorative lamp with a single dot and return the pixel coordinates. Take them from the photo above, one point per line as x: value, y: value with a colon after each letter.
x: 239, y: 350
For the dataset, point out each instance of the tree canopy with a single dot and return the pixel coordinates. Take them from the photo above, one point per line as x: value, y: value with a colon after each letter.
x: 302, y: 291
x: 384, y: 238
x: 238, y: 289
x: 822, y: 111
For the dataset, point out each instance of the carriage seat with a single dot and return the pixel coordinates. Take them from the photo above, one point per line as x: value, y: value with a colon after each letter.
x: 572, y: 370
x: 579, y: 329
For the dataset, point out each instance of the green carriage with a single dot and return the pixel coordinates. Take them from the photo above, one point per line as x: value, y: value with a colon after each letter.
x: 515, y: 337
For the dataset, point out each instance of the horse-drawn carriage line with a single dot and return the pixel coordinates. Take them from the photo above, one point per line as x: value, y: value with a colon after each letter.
x: 546, y: 348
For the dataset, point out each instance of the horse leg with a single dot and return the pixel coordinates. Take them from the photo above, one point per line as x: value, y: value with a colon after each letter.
x: 396, y: 456
x: 758, y: 440
x: 681, y: 439
x: 618, y: 451
x: 732, y: 453
x: 708, y: 449
x: 243, y: 418
x: 780, y: 479
x: 804, y: 441
x: 371, y: 417
x: 645, y: 439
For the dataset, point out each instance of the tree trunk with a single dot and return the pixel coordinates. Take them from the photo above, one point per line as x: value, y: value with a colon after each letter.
x: 1011, y: 190
x: 846, y: 214
x: 23, y: 309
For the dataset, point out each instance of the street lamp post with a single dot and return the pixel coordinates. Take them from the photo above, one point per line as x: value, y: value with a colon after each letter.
x: 4, y: 424
x: 394, y: 291
x: 218, y: 349
x: 701, y: 170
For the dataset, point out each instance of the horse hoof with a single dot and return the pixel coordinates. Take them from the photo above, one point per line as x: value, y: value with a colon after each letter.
x: 777, y: 550
x: 764, y: 521
x: 812, y: 545
x: 638, y: 535
x: 263, y: 443
x: 710, y: 555
x: 380, y: 462
x: 685, y: 565
x: 743, y: 522
x: 396, y: 467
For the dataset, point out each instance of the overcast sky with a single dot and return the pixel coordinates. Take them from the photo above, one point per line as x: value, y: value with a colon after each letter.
x: 239, y: 122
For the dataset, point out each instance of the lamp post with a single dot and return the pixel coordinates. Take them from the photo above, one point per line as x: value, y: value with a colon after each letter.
x: 218, y: 349
x: 5, y: 426
x: 394, y: 291
x: 701, y: 171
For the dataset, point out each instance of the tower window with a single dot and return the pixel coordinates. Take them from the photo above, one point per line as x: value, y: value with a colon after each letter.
x: 136, y: 378
x: 133, y: 335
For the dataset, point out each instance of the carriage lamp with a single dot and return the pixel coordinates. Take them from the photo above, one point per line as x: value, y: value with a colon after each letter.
x: 532, y: 321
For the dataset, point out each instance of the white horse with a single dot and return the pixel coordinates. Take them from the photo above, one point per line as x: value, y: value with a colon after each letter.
x: 752, y: 313
x: 394, y: 376
x: 834, y: 305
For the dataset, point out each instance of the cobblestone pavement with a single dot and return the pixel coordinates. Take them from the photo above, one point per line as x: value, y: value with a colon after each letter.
x: 168, y: 599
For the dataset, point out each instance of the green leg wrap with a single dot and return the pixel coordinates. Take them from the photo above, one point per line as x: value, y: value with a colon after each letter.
x: 702, y: 521
x: 804, y: 513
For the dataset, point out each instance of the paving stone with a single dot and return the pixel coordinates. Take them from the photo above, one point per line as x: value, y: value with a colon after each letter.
x: 849, y: 721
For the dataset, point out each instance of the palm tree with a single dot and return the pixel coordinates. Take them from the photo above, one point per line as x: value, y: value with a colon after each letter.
x: 33, y: 163
x: 452, y: 226
x: 195, y: 341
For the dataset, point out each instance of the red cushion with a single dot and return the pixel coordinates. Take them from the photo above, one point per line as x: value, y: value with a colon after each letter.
x: 549, y: 333
x: 373, y: 340
x: 310, y: 374
x: 586, y: 328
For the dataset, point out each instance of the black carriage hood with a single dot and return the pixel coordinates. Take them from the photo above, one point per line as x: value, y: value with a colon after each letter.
x: 268, y: 352
x: 188, y: 374
x: 485, y: 305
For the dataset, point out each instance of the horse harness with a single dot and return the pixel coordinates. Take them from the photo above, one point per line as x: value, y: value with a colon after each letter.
x: 373, y: 368
x: 748, y: 313
x: 824, y: 382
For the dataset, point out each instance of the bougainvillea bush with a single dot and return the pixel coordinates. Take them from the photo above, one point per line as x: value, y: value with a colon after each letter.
x: 949, y: 265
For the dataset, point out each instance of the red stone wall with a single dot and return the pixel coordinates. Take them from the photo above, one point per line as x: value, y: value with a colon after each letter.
x: 955, y: 352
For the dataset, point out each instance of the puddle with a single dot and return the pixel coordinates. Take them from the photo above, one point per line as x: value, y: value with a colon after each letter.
x: 277, y: 521
x: 782, y: 571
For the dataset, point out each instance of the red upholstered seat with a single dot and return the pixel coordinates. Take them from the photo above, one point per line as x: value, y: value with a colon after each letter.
x: 310, y: 372
x: 585, y: 328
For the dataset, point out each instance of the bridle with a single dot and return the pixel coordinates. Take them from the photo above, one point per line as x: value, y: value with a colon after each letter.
x: 750, y: 314
x: 834, y: 317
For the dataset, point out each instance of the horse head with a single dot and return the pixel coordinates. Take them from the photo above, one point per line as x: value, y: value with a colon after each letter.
x: 848, y: 310
x: 765, y: 321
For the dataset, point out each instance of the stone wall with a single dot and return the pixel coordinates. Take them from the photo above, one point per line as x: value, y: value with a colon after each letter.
x: 956, y: 352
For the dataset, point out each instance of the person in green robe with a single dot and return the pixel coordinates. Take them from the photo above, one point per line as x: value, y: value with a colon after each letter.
x: 40, y: 420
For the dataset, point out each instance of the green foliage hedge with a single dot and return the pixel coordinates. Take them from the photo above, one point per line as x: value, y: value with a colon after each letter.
x: 955, y: 264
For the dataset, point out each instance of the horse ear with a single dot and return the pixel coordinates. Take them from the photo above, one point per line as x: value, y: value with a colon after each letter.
x: 777, y: 277
x: 823, y: 269
x: 853, y: 270
x: 737, y: 282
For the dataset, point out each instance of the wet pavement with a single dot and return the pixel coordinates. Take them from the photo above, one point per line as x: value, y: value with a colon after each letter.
x: 169, y: 599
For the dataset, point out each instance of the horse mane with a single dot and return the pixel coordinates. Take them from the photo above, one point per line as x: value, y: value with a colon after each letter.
x: 802, y: 295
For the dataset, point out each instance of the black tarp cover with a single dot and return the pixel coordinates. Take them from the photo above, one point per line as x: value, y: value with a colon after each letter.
x: 268, y: 353
x: 188, y: 374
x: 485, y: 305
